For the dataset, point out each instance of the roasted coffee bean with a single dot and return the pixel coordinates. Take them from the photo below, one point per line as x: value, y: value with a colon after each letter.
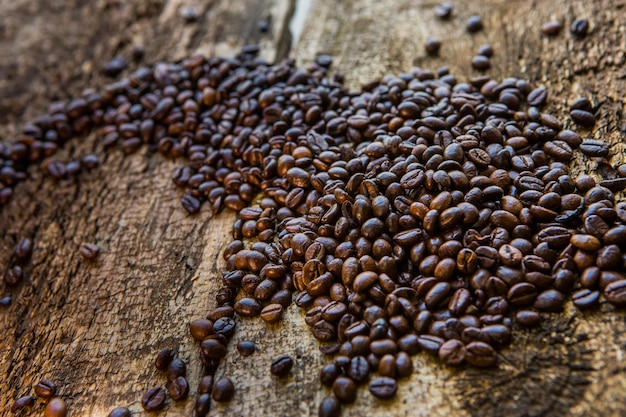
x: 594, y: 148
x: 549, y: 300
x: 223, y: 390
x: 164, y: 358
x: 45, y: 389
x: 23, y: 249
x: 383, y: 388
x: 246, y: 347
x: 153, y: 399
x: 585, y: 298
x: 537, y: 97
x: 443, y: 10
x: 474, y: 24
x: 481, y: 63
x: 432, y: 46
x: 213, y: 348
x: 179, y: 389
x: 452, y: 352
x: 175, y: 369
x: 527, y: 318
x: 615, y: 293
x: 551, y: 28
x: 281, y: 366
x: 120, y: 412
x: 344, y: 389
x: 89, y: 251
x: 22, y: 403
x: 580, y: 28
x: 203, y: 405
x: 359, y: 369
x: 56, y: 407
x: 480, y: 354
x: 583, y: 118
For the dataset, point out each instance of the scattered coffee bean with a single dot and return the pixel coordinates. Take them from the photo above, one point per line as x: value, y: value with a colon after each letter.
x: 580, y: 28
x: 179, y: 389
x: 89, y: 251
x: 444, y: 10
x: 432, y: 46
x: 22, y: 403
x: 246, y: 348
x: 120, y: 412
x: 45, y: 389
x: 474, y: 24
x: 223, y: 390
x: 330, y: 407
x: 552, y: 28
x: 153, y: 399
x: 281, y: 366
x: 383, y: 388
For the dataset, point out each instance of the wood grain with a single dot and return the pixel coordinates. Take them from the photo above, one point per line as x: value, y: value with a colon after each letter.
x: 95, y: 328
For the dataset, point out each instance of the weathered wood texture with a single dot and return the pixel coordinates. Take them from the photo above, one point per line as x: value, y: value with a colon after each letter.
x: 95, y: 328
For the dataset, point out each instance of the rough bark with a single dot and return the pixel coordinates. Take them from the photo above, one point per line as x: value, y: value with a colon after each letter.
x: 95, y: 328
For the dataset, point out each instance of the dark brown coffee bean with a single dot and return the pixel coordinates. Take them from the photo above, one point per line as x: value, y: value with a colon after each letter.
x: 481, y: 63
x: 452, y: 352
x: 200, y: 329
x: 594, y: 148
x: 163, y: 359
x: 175, y: 369
x: 120, y: 412
x: 615, y: 293
x: 153, y: 399
x: 432, y: 46
x: 223, y: 390
x: 549, y: 300
x: 179, y: 389
x: 272, y: 313
x: 206, y: 385
x: 580, y: 28
x: 22, y: 403
x: 558, y: 149
x: 527, y: 318
x: 537, y: 97
x: 480, y: 354
x: 203, y: 405
x: 583, y: 118
x: 246, y: 347
x: 474, y: 24
x: 56, y: 407
x: 213, y: 348
x: 330, y: 407
x: 443, y: 10
x: 359, y: 369
x: 45, y: 389
x: 585, y: 298
x: 344, y: 389
x: 23, y: 249
x: 89, y: 251
x: 281, y: 366
x: 248, y: 307
x: 522, y: 294
x: 551, y: 28
x: 383, y: 388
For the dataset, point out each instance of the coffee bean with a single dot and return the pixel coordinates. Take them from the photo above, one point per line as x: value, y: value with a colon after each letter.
x: 452, y: 352
x: 344, y: 389
x: 552, y: 28
x: 474, y: 24
x: 432, y: 46
x: 179, y: 389
x: 281, y: 366
x: 5, y: 301
x: 527, y: 318
x: 203, y: 405
x: 45, y: 389
x: 443, y: 10
x: 549, y: 300
x: 585, y: 298
x: 537, y: 97
x: 583, y: 118
x: 480, y: 354
x: 89, y: 251
x: 153, y: 399
x: 164, y: 358
x: 23, y: 249
x: 383, y: 388
x: 580, y: 28
x: 175, y: 369
x: 594, y: 148
x: 120, y: 412
x: 330, y: 407
x: 246, y: 348
x: 22, y: 403
x: 615, y: 293
x: 213, y: 349
x: 223, y: 390
x: 481, y: 63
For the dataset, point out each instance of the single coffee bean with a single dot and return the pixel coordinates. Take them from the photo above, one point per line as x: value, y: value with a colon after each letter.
x: 164, y: 358
x: 474, y: 24
x: 206, y: 385
x: 153, y: 399
x: 583, y: 118
x: 480, y: 354
x: 56, y: 407
x: 443, y: 10
x: 45, y: 389
x: 615, y: 293
x: 527, y: 318
x: 330, y: 407
x: 551, y: 28
x: 120, y: 412
x: 481, y: 63
x: 537, y: 97
x: 344, y: 389
x: 281, y: 366
x: 272, y: 313
x: 21, y: 403
x: 5, y: 301
x: 213, y: 349
x: 580, y: 28
x: 175, y: 369
x: 89, y: 251
x: 203, y: 405
x: 179, y: 389
x: 383, y: 388
x: 23, y: 249
x: 585, y: 298
x: 223, y: 390
x: 594, y: 148
x: 549, y: 300
x: 246, y: 347
x: 452, y: 352
x: 432, y: 46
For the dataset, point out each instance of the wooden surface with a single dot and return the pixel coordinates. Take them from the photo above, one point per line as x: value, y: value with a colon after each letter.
x: 95, y: 329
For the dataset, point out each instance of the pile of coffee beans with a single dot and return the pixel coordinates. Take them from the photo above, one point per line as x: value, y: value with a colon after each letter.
x: 423, y: 213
